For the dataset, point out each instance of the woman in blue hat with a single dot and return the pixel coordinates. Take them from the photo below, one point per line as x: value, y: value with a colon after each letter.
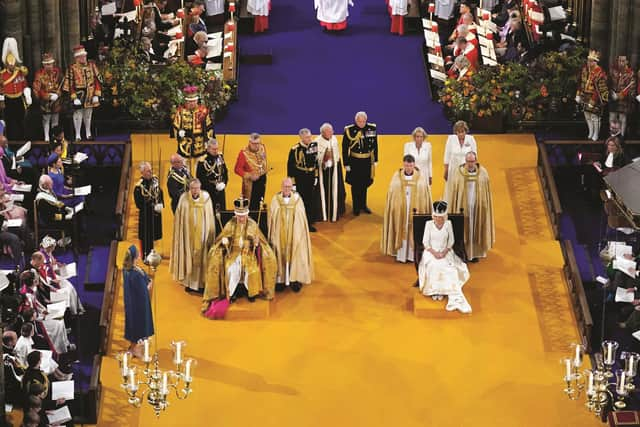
x: 138, y: 319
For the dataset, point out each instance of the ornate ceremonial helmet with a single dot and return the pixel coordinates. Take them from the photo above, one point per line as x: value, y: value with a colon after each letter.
x: 190, y: 93
x: 439, y: 208
x: 241, y: 206
x: 79, y: 51
x: 10, y: 53
x: 594, y: 55
x: 47, y: 58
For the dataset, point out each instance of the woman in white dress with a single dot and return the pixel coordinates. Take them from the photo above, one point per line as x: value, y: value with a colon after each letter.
x: 441, y: 272
x: 420, y: 149
x: 458, y: 145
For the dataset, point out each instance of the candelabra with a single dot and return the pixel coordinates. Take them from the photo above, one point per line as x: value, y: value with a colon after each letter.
x: 157, y: 383
x: 603, y: 384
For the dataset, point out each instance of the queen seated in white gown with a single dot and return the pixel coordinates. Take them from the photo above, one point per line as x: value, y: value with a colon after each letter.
x: 441, y: 272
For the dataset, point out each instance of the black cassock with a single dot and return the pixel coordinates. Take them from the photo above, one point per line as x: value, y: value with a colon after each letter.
x: 211, y: 171
x: 147, y: 194
x: 302, y: 167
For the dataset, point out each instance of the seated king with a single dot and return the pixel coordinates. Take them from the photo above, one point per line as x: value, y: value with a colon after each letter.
x: 240, y: 258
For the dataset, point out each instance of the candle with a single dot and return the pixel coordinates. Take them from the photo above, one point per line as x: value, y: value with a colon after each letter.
x: 125, y: 362
x: 132, y: 380
x: 567, y: 363
x: 146, y: 350
x: 187, y: 370
x: 622, y: 384
x: 590, y: 384
x: 578, y: 360
x: 178, y: 352
x: 165, y: 387
x: 610, y: 353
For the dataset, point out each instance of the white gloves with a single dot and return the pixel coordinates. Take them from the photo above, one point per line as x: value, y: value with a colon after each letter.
x: 294, y: 188
x: 578, y: 99
x: 328, y: 164
x: 315, y: 181
x: 181, y: 133
x: 77, y: 102
x: 27, y: 95
x: 638, y: 98
x: 1, y: 98
x: 158, y: 207
x: 375, y: 164
x: 614, y: 96
x: 347, y: 168
x: 95, y: 100
x: 53, y: 97
x: 225, y: 241
x: 220, y: 186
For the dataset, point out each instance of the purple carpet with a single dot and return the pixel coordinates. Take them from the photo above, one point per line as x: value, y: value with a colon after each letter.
x: 321, y: 77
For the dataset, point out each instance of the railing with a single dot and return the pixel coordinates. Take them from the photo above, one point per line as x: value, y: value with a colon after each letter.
x: 549, y: 190
x: 577, y: 294
x: 108, y: 299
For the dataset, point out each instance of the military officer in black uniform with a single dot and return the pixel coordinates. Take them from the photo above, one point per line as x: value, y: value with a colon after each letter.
x: 177, y: 180
x: 212, y: 173
x: 302, y: 168
x: 149, y: 200
x: 360, y: 155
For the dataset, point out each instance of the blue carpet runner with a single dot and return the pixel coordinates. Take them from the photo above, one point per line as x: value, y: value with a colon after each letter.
x: 321, y: 77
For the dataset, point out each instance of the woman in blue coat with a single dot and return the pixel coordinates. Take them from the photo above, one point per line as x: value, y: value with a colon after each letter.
x: 138, y: 319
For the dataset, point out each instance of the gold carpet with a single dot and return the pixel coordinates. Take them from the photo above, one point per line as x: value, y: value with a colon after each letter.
x: 348, y: 350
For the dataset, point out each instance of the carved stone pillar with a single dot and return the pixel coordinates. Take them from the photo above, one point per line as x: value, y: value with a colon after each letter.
x: 71, y: 24
x: 14, y: 21
x: 52, y: 37
x: 33, y: 37
x: 600, y: 27
x: 634, y: 35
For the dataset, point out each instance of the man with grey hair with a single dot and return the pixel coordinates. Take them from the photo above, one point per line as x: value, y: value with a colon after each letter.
x: 177, y: 180
x: 302, y: 168
x: 251, y: 166
x: 212, y: 172
x: 330, y: 179
x: 150, y: 201
x: 360, y: 156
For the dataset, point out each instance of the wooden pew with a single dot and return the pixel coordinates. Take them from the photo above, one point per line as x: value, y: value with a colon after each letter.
x: 108, y: 299
x: 577, y: 295
x: 549, y: 189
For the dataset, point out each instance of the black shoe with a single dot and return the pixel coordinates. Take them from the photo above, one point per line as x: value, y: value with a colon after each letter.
x: 474, y: 260
x: 233, y: 299
x: 296, y: 286
x: 252, y: 299
x: 356, y: 213
x: 366, y: 210
x: 187, y: 289
x: 199, y: 291
x: 415, y: 285
x: 312, y: 229
x: 280, y: 287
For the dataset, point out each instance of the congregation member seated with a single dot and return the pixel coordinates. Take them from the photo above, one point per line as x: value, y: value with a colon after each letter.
x: 614, y: 157
x: 11, y: 244
x: 13, y: 369
x: 501, y: 12
x: 50, y: 271
x: 36, y: 383
x: 60, y: 187
x: 515, y: 44
x: 460, y: 69
x: 468, y: 50
x: 35, y: 298
x: 51, y: 211
x: 16, y: 168
x: 59, y: 143
x: 24, y: 347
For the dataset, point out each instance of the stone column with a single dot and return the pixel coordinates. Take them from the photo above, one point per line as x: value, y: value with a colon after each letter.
x: 634, y: 35
x: 33, y: 40
x: 600, y: 27
x: 52, y: 37
x: 71, y: 24
x: 14, y: 18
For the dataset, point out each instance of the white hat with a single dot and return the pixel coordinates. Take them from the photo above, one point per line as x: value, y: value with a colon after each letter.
x: 10, y: 51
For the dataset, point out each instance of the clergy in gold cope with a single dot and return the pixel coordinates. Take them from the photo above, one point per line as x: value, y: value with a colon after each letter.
x: 240, y: 256
x: 408, y: 191
x: 471, y: 192
x: 194, y: 231
x: 289, y: 237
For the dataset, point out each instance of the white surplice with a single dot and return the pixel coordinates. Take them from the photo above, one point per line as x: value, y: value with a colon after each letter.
x: 333, y: 168
x: 399, y: 7
x: 332, y: 11
x: 258, y: 7
x: 454, y: 154
x: 444, y: 276
x: 422, y: 157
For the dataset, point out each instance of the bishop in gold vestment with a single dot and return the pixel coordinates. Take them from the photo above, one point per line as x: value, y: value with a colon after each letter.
x: 470, y: 191
x: 240, y: 255
x: 193, y: 234
x: 289, y: 237
x: 407, y: 191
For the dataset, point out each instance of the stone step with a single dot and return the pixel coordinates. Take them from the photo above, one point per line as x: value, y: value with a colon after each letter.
x: 242, y: 309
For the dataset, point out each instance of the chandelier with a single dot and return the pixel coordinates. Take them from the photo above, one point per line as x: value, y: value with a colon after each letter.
x: 604, y: 383
x: 154, y: 384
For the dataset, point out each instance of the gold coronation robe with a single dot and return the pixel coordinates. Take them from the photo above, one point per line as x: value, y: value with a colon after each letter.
x: 193, y: 234
x: 397, y: 226
x: 472, y: 193
x: 246, y: 244
x: 289, y: 237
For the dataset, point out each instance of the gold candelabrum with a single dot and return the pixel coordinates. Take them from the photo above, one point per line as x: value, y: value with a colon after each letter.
x: 155, y: 385
x: 603, y: 385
